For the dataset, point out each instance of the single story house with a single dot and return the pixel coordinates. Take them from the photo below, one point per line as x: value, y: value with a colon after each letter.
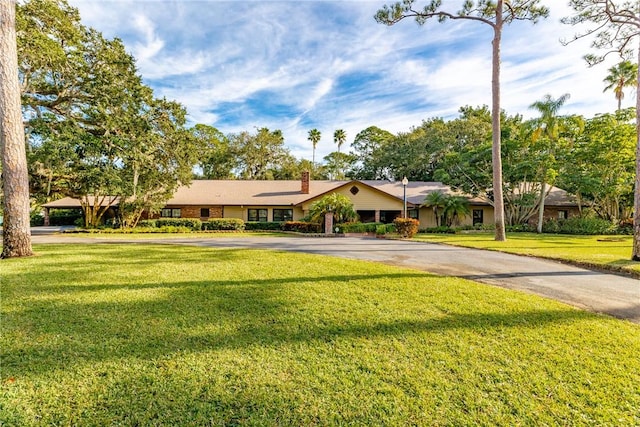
x: 374, y: 201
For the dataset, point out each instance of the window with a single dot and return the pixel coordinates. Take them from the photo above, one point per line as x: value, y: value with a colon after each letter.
x: 387, y: 217
x: 412, y: 213
x: 204, y: 212
x: 257, y: 215
x: 170, y: 213
x: 478, y: 216
x: 280, y: 215
x: 354, y: 190
x: 563, y: 214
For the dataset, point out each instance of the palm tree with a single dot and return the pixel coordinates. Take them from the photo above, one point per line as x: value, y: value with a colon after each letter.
x: 547, y: 127
x: 625, y: 74
x: 314, y: 137
x: 436, y: 201
x: 339, y: 137
x: 339, y: 204
x: 455, y: 208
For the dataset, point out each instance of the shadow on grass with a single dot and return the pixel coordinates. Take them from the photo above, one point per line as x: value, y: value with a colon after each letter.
x: 481, y: 277
x: 206, y: 316
x: 112, y: 258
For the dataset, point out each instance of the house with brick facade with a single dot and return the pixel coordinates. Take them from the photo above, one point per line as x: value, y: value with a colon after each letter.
x: 374, y: 201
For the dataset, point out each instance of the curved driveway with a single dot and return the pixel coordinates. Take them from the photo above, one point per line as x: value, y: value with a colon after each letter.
x: 600, y: 292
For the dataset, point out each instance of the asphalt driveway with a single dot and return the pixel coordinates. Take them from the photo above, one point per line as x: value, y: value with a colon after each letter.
x: 595, y: 291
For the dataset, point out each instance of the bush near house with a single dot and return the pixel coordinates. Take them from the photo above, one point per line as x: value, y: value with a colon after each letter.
x: 224, y: 224
x: 302, y: 227
x: 57, y: 217
x: 406, y: 227
x: 36, y: 219
x: 147, y: 223
x: 191, y: 223
x: 586, y: 226
x: 443, y: 229
x: 134, y: 230
x: 263, y: 226
x: 580, y: 225
x: 383, y: 229
x: 358, y: 227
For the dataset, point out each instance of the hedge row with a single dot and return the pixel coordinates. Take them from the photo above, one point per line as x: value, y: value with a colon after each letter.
x: 263, y: 226
x: 224, y: 224
x: 194, y: 224
x: 382, y: 229
x: 302, y: 227
x: 58, y: 218
x: 574, y: 225
x: 580, y: 225
x: 359, y: 227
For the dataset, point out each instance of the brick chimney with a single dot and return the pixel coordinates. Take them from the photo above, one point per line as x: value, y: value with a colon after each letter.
x: 304, y: 189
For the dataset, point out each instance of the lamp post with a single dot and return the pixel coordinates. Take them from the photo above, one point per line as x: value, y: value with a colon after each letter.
x: 405, y: 181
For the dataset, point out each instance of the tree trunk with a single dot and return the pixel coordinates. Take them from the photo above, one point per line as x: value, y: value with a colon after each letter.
x: 543, y: 190
x: 16, y: 239
x: 498, y: 201
x: 636, y: 199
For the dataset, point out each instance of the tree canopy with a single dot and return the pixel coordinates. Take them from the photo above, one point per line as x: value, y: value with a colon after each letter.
x: 95, y: 131
x: 496, y: 15
x: 614, y: 27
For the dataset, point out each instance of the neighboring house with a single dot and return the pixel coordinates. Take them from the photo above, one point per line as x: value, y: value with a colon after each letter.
x: 374, y: 201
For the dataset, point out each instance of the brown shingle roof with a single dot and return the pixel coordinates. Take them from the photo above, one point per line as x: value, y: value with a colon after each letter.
x: 288, y: 193
x: 249, y: 193
x: 417, y: 190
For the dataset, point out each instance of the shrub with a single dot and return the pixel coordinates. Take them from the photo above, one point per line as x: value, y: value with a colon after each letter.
x: 359, y: 227
x: 66, y: 217
x: 141, y: 230
x: 193, y: 224
x: 443, y: 229
x: 340, y: 205
x: 579, y: 225
x: 520, y: 228
x: 625, y: 227
x: 263, y: 226
x: 147, y: 223
x: 170, y: 229
x: 381, y: 230
x: 112, y: 223
x: 36, y: 219
x: 224, y: 224
x: 406, y: 227
x: 302, y: 227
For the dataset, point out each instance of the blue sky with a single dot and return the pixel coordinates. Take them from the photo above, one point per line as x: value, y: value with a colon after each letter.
x: 298, y: 65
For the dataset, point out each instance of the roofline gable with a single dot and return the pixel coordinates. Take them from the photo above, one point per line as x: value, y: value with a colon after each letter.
x: 353, y: 182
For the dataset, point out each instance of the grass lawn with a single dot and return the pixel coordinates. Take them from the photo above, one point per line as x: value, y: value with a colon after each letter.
x: 117, y: 334
x: 613, y: 252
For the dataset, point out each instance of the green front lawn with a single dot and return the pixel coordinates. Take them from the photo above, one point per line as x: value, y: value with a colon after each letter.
x: 612, y: 252
x: 118, y: 334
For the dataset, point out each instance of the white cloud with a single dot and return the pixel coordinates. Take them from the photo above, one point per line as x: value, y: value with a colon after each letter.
x: 151, y: 44
x: 327, y: 64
